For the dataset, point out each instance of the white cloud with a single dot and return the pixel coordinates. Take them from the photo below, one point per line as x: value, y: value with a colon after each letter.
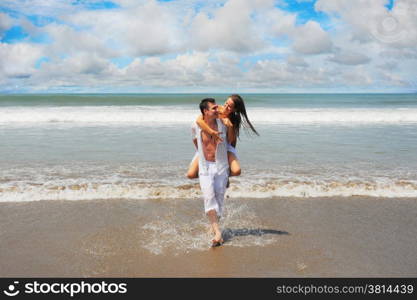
x: 350, y: 58
x: 358, y: 77
x: 279, y: 22
x: 68, y: 41
x: 186, y: 70
x: 308, y: 38
x: 212, y: 45
x: 148, y: 28
x: 40, y: 7
x: 18, y: 60
x: 370, y: 21
x: 5, y: 23
x: 296, y: 61
x: 81, y: 63
x: 270, y: 73
x: 311, y: 39
x: 231, y: 27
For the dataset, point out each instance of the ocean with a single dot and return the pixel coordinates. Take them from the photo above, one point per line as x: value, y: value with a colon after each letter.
x: 138, y: 146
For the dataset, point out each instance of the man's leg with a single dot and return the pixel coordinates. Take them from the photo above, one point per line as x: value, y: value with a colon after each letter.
x: 210, y: 203
x: 220, y: 182
x: 214, y: 222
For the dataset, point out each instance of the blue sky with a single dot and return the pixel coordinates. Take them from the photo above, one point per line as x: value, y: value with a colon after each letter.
x: 193, y: 46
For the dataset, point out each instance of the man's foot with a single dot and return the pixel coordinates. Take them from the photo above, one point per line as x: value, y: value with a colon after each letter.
x: 216, y: 243
x: 218, y: 240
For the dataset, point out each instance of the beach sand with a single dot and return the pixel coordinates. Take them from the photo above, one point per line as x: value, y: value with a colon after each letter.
x: 281, y: 237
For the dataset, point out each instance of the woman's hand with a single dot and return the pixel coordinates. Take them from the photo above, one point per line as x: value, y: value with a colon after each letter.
x: 216, y: 136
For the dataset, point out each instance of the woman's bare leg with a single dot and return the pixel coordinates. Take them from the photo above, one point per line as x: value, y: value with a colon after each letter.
x: 193, y: 169
x: 233, y: 164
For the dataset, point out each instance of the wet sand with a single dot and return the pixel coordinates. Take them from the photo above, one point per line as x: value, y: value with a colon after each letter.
x: 283, y: 237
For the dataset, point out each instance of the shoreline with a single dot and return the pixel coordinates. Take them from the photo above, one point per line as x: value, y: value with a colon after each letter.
x: 275, y: 237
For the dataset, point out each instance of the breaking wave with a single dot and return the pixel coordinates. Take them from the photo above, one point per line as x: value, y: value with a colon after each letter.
x: 151, y: 115
x: 238, y: 189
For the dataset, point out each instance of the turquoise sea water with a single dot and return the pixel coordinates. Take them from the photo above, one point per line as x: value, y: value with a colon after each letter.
x: 78, y: 147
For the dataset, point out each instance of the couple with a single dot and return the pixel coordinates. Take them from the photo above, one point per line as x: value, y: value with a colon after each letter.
x: 214, y: 135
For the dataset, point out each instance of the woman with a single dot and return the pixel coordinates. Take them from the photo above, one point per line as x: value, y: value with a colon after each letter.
x: 233, y: 115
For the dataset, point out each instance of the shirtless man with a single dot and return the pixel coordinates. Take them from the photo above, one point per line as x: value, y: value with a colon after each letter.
x: 213, y: 166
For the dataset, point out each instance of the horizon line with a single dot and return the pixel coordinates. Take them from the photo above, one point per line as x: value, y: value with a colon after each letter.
x: 200, y: 93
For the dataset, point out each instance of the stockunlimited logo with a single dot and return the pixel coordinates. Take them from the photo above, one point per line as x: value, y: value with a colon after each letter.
x: 11, y: 289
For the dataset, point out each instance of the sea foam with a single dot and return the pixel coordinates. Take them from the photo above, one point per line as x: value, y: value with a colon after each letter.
x: 154, y: 115
x: 239, y: 189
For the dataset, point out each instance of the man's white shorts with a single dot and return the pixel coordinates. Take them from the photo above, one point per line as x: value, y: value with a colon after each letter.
x: 213, y: 187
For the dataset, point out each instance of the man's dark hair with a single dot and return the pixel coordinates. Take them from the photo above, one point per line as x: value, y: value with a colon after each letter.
x: 204, y: 104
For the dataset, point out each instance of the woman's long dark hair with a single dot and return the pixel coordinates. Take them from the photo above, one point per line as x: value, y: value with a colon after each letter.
x: 236, y: 116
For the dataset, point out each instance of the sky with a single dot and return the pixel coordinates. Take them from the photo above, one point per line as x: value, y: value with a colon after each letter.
x: 134, y: 46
